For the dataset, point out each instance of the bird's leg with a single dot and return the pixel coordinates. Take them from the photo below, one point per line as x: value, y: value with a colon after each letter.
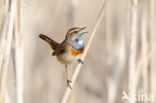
x: 66, y: 67
x: 80, y: 61
x: 68, y: 81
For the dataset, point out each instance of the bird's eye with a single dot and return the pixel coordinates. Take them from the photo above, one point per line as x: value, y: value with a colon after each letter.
x: 75, y: 31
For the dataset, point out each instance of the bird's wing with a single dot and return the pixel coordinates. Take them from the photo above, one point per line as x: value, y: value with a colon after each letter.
x: 60, y: 49
x: 51, y: 42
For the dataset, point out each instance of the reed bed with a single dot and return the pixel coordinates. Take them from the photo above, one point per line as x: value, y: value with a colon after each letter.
x: 119, y: 61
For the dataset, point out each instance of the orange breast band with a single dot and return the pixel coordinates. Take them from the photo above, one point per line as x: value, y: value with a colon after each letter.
x: 76, y: 53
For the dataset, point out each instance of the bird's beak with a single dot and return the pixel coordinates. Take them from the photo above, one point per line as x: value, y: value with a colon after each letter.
x: 84, y: 33
x: 80, y: 31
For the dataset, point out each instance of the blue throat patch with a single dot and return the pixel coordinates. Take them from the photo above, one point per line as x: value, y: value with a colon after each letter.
x: 79, y: 44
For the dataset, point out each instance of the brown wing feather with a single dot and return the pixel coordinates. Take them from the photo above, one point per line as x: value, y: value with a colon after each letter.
x: 52, y: 43
x: 60, y: 49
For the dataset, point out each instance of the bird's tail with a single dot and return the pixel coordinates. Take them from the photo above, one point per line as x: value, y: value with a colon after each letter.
x: 52, y: 43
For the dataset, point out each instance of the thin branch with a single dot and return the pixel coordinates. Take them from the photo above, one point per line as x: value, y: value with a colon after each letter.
x: 78, y: 67
x: 5, y: 61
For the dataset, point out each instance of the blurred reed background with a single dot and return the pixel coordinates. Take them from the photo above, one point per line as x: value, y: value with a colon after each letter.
x: 121, y: 58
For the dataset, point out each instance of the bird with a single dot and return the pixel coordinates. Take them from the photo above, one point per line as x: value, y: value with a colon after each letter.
x: 70, y: 49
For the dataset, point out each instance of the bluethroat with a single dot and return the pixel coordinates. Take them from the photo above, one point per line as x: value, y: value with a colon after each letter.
x: 70, y: 49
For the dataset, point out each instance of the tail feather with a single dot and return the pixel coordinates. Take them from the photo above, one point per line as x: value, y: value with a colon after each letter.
x: 52, y: 43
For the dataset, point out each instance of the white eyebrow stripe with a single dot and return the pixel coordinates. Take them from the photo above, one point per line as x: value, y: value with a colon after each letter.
x: 72, y: 31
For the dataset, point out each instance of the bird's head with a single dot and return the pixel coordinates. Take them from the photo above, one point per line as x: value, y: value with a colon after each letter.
x: 75, y: 33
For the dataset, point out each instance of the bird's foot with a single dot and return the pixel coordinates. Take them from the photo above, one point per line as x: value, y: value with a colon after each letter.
x: 80, y: 61
x: 68, y: 83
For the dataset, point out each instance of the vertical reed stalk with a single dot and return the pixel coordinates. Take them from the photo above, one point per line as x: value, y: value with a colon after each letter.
x: 152, y: 46
x: 5, y: 61
x: 132, y: 55
x: 3, y: 28
x: 144, y: 50
x: 19, y: 54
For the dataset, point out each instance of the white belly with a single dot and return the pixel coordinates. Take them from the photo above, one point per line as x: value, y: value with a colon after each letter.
x: 66, y: 58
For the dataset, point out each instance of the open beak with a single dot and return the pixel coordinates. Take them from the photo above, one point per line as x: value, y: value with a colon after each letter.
x: 80, y: 31
x: 84, y: 33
